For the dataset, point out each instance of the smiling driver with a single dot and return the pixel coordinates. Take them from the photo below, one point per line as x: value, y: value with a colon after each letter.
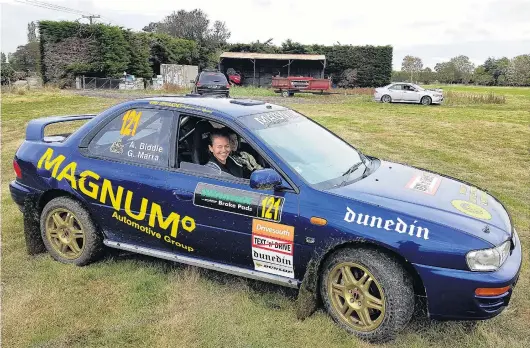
x: 219, y: 154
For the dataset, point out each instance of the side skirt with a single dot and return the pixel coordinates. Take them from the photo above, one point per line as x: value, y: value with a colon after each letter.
x: 238, y: 271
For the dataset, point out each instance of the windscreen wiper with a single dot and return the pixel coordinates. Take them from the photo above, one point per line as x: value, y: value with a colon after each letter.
x: 351, y: 170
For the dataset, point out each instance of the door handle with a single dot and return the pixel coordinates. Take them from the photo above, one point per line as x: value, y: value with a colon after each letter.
x: 183, y: 195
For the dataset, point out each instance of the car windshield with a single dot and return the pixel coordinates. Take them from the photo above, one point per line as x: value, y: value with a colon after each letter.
x: 418, y: 87
x: 319, y: 157
x: 213, y: 78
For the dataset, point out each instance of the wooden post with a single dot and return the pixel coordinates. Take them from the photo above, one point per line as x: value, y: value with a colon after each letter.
x: 323, y: 68
x: 289, y: 68
x: 254, y: 80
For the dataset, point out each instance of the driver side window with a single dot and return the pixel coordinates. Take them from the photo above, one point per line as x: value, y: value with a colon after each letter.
x: 208, y: 147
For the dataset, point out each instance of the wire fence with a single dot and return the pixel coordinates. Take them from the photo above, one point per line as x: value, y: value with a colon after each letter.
x: 85, y: 82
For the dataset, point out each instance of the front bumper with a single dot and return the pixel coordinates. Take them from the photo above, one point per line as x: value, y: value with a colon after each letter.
x: 451, y: 293
x: 437, y: 100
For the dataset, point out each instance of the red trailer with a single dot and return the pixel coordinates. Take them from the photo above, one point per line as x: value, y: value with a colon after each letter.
x: 287, y: 86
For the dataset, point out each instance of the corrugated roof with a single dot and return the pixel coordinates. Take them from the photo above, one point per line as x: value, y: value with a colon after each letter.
x: 252, y: 55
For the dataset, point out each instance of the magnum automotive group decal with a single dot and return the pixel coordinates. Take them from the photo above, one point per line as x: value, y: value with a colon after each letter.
x: 272, y: 248
x: 150, y: 215
x: 238, y: 201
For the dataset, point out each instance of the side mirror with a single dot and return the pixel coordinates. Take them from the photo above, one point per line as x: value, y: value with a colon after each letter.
x: 265, y: 179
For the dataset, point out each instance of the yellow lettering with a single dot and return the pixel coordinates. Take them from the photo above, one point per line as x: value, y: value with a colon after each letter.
x: 115, y: 198
x: 143, y: 208
x: 191, y: 222
x: 56, y: 163
x: 68, y: 173
x: 173, y: 218
x: 95, y: 188
x: 115, y: 215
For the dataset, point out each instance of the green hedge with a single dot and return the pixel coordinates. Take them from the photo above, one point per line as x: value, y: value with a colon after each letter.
x: 70, y: 48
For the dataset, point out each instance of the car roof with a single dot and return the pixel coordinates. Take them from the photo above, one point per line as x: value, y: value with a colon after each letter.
x: 225, y: 107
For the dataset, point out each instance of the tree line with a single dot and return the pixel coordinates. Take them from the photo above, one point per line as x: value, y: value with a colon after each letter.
x: 58, y: 51
x: 493, y: 72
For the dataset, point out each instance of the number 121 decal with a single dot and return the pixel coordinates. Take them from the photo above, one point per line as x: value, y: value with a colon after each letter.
x: 130, y: 122
x: 270, y: 207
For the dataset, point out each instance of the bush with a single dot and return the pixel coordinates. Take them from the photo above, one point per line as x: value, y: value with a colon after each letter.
x: 8, y: 74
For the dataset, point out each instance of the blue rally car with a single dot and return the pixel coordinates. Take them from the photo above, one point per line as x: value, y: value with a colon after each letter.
x: 261, y: 191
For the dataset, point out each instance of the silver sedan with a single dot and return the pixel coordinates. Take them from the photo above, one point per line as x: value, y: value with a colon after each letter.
x: 408, y: 93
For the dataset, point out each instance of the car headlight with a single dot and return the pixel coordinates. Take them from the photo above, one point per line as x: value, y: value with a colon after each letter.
x: 488, y: 259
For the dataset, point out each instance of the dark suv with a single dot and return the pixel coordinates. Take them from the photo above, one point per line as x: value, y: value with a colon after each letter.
x: 211, y: 82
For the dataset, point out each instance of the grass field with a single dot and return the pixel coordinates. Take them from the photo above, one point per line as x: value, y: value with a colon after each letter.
x: 129, y: 301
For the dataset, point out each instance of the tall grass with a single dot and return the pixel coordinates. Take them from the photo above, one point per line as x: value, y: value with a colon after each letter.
x: 462, y: 98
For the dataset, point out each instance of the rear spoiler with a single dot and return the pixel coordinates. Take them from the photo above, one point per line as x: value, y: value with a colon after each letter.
x: 35, y: 128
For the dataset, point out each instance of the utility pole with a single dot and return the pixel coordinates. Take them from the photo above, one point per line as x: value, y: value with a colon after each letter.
x: 91, y: 17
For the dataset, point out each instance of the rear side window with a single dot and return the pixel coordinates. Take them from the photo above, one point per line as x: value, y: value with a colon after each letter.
x: 212, y: 78
x: 396, y: 87
x: 137, y: 135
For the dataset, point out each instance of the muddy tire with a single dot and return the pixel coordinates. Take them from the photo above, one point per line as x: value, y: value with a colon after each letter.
x: 386, y: 98
x: 68, y: 232
x: 374, y: 300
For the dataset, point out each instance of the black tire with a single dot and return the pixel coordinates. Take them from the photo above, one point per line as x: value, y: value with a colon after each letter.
x: 396, y: 285
x: 386, y: 99
x: 92, y: 248
x: 426, y: 100
x: 285, y: 93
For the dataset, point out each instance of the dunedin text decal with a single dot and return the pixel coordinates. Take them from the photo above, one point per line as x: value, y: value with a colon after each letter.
x: 399, y: 225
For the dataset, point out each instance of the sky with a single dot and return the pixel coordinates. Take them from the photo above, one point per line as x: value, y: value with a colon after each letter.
x: 435, y: 31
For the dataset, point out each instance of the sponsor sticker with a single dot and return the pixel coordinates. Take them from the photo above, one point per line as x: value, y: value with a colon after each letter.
x: 474, y: 195
x: 277, y: 245
x: 239, y: 202
x: 149, y: 217
x: 272, y: 230
x: 273, y: 247
x: 398, y: 225
x: 425, y: 182
x: 471, y: 209
x: 274, y: 269
x: 273, y: 262
x: 117, y: 147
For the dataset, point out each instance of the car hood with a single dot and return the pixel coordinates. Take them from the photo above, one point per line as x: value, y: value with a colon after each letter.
x: 430, y: 196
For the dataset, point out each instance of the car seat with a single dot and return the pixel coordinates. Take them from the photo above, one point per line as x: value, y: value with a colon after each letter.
x: 201, y: 140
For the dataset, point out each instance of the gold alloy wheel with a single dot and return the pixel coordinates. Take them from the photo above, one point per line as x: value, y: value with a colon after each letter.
x: 65, y: 233
x: 356, y: 296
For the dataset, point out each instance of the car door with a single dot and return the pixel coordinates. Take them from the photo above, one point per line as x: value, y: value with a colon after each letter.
x: 129, y: 161
x: 410, y: 94
x: 396, y: 92
x: 233, y: 223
